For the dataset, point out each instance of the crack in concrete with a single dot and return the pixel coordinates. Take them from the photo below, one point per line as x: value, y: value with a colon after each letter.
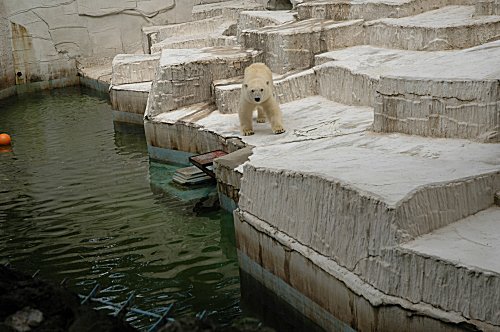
x: 41, y: 7
x: 134, y: 12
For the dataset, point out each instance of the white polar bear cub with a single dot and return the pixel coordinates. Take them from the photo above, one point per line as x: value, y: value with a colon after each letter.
x: 257, y: 93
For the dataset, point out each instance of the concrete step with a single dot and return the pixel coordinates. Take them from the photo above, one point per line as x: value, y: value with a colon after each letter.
x: 370, y: 9
x: 134, y: 68
x: 405, y: 186
x: 354, y: 197
x: 129, y: 101
x: 259, y: 19
x: 304, y: 120
x: 222, y: 35
x: 287, y: 88
x: 458, y: 268
x: 447, y: 95
x: 292, y: 46
x: 197, y: 27
x: 204, y: 20
x: 185, y: 76
x: 228, y: 9
x: 199, y: 41
x: 357, y: 71
x: 212, y: 31
x: 451, y: 27
x: 350, y: 194
x: 488, y: 7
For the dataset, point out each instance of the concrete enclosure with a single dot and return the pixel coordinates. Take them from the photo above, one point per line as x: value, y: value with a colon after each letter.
x: 42, y: 42
x: 377, y: 209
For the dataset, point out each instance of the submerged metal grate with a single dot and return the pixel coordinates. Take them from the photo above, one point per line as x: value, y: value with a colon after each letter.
x: 126, y: 306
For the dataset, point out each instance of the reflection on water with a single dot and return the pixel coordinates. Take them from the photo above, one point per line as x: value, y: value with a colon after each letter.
x: 76, y: 202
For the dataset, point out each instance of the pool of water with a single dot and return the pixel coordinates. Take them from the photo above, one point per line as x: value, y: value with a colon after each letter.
x: 80, y: 199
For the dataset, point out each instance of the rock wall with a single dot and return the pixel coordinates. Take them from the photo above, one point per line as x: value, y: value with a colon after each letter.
x: 45, y: 39
x: 7, y: 75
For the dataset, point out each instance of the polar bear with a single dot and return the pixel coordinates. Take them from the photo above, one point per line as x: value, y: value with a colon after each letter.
x: 257, y: 93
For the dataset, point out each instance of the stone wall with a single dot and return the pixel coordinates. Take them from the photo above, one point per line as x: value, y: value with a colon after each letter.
x: 45, y: 39
x: 7, y: 75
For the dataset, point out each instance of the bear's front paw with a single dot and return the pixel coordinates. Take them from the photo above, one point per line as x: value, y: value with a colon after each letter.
x: 261, y: 120
x: 278, y: 130
x: 248, y: 132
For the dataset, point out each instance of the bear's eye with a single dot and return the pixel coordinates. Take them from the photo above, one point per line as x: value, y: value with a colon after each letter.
x: 261, y: 90
x: 253, y: 90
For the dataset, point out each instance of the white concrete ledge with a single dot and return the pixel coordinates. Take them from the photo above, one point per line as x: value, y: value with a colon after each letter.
x: 228, y: 9
x: 366, y: 192
x: 292, y: 46
x: 278, y: 260
x: 454, y: 268
x: 370, y: 9
x: 487, y: 7
x: 206, y: 26
x: 249, y: 20
x: 287, y: 88
x: 134, y: 68
x: 185, y: 76
x: 200, y: 41
x: 357, y: 71
x: 130, y: 98
x: 432, y: 98
x: 452, y: 27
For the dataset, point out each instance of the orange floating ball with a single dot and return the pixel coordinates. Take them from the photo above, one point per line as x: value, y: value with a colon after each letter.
x: 5, y: 139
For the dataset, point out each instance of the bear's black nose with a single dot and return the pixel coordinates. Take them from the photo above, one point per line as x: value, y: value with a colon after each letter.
x: 257, y: 99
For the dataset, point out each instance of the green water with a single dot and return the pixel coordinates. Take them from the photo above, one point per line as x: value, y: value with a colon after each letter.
x: 80, y: 199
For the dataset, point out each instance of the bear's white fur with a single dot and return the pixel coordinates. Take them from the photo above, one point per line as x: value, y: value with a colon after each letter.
x: 257, y: 93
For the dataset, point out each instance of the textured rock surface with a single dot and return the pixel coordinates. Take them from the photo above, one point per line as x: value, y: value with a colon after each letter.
x: 370, y: 9
x: 404, y: 186
x: 293, y: 45
x: 431, y: 98
x: 447, y: 28
x: 326, y: 292
x: 130, y: 68
x: 215, y: 32
x: 7, y: 73
x: 49, y: 37
x: 185, y: 76
x: 229, y: 9
x: 287, y: 88
x: 461, y: 256
x: 259, y: 19
x: 130, y: 98
x: 488, y: 7
x: 353, y: 211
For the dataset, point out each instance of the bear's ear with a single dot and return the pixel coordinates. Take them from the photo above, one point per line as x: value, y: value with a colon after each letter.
x: 246, y: 85
x: 267, y: 82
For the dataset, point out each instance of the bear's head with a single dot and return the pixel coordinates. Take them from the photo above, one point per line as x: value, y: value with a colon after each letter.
x: 257, y: 90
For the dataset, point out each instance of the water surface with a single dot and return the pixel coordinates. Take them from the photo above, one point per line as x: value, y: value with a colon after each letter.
x: 80, y: 199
